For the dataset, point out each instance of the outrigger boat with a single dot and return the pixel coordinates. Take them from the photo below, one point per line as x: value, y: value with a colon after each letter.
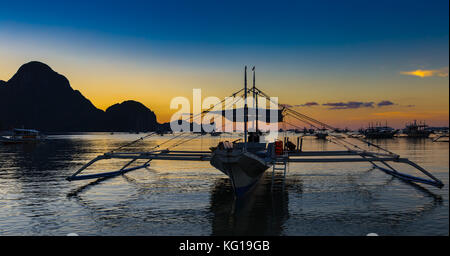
x: 321, y: 134
x: 246, y: 162
x: 22, y: 136
x: 379, y: 132
x: 415, y: 130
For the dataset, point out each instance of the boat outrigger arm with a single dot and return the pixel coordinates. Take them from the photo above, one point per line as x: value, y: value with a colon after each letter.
x: 288, y: 157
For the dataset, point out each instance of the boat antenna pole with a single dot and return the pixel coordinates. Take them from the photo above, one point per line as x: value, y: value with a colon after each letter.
x: 245, y: 109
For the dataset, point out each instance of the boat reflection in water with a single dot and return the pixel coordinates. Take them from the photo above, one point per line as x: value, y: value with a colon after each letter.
x: 263, y: 211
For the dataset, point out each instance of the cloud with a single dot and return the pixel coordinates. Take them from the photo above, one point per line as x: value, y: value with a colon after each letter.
x: 349, y: 105
x: 308, y: 104
x: 443, y: 72
x: 385, y: 103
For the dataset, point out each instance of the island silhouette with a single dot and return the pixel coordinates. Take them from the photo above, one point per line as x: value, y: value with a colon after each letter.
x: 37, y: 97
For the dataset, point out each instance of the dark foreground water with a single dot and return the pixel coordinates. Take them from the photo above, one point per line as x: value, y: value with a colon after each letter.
x: 193, y: 198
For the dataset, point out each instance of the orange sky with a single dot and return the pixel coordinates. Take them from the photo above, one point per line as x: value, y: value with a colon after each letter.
x: 421, y: 98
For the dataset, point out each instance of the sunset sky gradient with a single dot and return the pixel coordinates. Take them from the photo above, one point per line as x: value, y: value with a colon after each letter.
x: 344, y: 58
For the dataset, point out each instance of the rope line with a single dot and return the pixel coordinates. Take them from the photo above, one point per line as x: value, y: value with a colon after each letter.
x: 131, y: 143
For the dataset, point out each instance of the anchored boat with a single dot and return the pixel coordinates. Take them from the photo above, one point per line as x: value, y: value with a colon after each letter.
x: 379, y: 132
x: 243, y: 162
x: 246, y: 162
x: 22, y: 136
x: 415, y: 130
x: 321, y: 134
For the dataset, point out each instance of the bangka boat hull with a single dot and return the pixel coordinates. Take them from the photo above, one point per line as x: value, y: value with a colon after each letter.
x: 243, y: 168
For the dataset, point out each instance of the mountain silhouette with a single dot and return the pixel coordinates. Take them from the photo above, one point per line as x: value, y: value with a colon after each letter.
x: 131, y: 115
x: 38, y: 97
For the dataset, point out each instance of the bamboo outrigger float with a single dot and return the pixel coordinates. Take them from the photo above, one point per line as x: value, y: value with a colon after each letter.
x: 245, y: 162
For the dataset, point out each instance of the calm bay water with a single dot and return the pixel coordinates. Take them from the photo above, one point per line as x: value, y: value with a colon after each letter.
x: 193, y: 198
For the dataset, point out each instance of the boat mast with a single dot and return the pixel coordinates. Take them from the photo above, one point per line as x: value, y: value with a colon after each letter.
x: 245, y: 109
x: 255, y: 98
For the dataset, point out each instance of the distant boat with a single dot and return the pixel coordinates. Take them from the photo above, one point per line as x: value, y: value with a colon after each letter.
x: 22, y: 136
x: 415, y: 130
x: 321, y: 134
x: 379, y: 132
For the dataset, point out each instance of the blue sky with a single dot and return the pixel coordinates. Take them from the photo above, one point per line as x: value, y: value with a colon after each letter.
x: 280, y: 23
